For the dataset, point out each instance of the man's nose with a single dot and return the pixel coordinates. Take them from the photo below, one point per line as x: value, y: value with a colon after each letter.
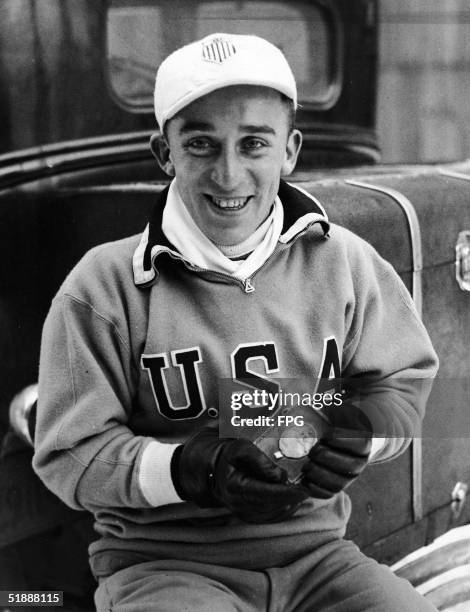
x: 227, y: 170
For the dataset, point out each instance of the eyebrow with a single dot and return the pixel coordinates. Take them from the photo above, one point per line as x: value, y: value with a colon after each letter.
x: 264, y: 129
x: 202, y: 126
x: 195, y: 126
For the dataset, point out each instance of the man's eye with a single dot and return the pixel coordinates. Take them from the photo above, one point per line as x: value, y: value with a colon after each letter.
x: 254, y: 144
x: 200, y: 145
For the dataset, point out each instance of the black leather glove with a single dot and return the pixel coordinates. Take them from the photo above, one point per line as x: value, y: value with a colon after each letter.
x: 338, y: 459
x: 233, y: 473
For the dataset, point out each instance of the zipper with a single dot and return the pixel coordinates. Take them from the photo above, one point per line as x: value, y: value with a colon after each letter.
x: 246, y: 285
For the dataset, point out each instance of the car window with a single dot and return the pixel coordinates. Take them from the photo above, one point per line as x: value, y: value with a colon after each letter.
x: 141, y: 34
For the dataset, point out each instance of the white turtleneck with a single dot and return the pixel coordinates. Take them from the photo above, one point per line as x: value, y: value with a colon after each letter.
x: 182, y: 231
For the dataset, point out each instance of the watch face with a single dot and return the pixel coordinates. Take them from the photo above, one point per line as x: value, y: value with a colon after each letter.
x: 289, y: 445
x: 296, y: 442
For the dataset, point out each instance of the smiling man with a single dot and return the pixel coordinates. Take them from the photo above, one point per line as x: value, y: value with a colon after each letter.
x: 237, y: 275
x: 230, y: 148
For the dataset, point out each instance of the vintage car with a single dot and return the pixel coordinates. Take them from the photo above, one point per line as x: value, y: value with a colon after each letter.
x: 383, y: 90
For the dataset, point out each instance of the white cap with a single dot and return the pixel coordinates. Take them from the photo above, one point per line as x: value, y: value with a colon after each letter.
x: 217, y: 61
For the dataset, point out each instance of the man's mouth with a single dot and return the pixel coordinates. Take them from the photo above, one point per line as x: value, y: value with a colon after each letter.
x: 229, y: 203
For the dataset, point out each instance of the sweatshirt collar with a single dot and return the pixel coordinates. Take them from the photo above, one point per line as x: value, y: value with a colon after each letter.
x: 200, y: 252
x: 301, y: 210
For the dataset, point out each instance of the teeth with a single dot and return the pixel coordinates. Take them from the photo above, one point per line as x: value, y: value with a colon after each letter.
x: 232, y: 203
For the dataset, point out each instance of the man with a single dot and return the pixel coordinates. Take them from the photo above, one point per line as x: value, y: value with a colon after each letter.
x: 238, y: 275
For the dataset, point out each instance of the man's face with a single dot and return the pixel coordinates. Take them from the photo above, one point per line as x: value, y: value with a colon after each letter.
x: 228, y: 150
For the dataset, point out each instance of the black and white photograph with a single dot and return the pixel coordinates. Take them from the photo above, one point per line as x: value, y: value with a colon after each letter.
x: 235, y: 305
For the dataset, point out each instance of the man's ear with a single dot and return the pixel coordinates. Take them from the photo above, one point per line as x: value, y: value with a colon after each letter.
x: 294, y: 144
x: 161, y: 152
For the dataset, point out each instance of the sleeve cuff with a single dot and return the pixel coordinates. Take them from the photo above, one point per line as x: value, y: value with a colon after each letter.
x: 154, y: 475
x: 384, y: 449
x: 377, y: 446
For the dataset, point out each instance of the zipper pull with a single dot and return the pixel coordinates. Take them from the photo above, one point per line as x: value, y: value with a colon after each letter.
x: 248, y: 286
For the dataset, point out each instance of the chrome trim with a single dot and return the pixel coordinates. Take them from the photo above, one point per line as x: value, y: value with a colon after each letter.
x: 417, y: 295
x: 415, y: 234
x: 462, y: 260
x: 455, y: 175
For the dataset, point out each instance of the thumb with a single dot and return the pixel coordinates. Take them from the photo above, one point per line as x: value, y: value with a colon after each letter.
x: 253, y: 462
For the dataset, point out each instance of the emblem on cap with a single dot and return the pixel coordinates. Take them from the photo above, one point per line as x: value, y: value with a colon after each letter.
x: 218, y: 50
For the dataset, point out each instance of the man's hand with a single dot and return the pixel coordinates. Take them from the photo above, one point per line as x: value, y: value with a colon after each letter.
x: 335, y: 461
x: 234, y: 473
